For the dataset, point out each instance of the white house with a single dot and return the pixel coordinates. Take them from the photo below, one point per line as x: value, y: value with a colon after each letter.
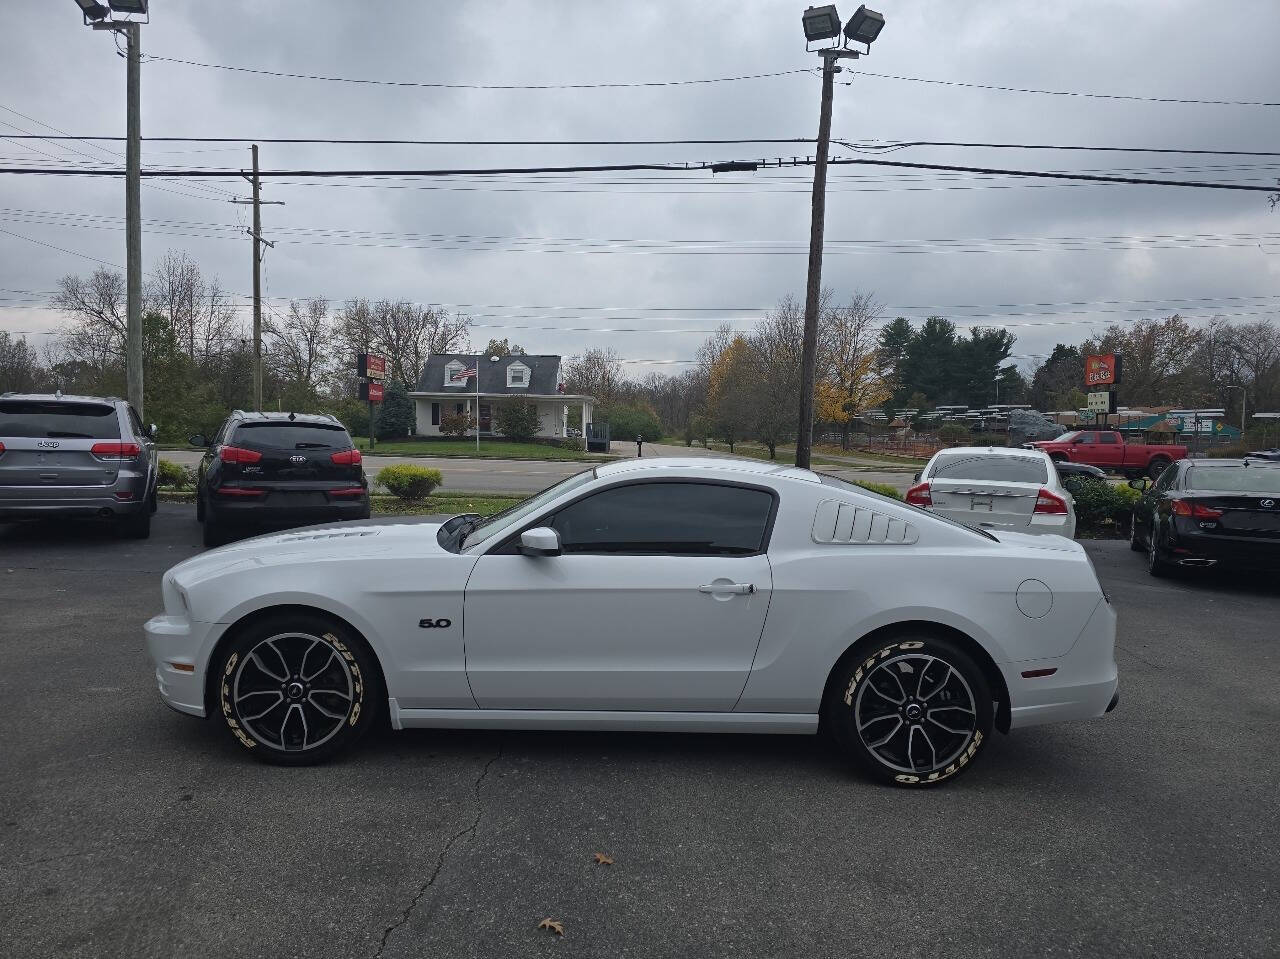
x: 442, y: 390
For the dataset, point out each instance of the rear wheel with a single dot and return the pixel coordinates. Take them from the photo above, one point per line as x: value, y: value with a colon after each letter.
x: 213, y: 533
x: 297, y: 688
x: 1135, y: 541
x: 911, y: 711
x: 1156, y: 566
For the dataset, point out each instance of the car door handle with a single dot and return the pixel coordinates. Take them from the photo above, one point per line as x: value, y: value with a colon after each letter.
x: 742, y: 589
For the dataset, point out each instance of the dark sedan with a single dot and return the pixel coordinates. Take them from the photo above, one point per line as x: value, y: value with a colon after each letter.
x: 1208, y: 512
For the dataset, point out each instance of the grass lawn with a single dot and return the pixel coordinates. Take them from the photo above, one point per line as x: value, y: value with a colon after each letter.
x: 787, y: 454
x: 489, y: 449
x: 441, y: 501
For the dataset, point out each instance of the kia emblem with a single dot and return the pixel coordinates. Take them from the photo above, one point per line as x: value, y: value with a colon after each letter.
x: 297, y: 459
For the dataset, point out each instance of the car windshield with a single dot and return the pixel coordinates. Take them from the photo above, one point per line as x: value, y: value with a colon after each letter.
x: 836, y: 482
x: 991, y: 467
x: 58, y: 419
x: 1234, y: 479
x: 501, y: 522
x: 292, y: 436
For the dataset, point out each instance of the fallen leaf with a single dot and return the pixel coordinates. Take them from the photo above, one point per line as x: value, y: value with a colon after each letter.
x: 603, y: 860
x: 554, y: 925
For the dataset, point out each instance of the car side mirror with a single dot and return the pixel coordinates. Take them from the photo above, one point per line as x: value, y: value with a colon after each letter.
x: 1141, y: 483
x: 916, y: 478
x: 540, y: 541
x: 197, y: 439
x: 152, y: 430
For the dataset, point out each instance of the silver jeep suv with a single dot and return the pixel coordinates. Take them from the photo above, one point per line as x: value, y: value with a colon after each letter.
x: 84, y: 456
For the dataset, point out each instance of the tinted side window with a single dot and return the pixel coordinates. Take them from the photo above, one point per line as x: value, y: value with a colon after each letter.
x: 1106, y: 437
x: 136, y: 422
x: 696, y: 519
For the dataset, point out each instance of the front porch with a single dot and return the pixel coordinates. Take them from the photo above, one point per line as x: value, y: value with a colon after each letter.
x: 553, y: 411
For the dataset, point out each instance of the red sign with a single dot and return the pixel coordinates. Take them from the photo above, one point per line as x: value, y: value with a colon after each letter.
x: 371, y: 391
x: 1102, y: 369
x: 372, y: 365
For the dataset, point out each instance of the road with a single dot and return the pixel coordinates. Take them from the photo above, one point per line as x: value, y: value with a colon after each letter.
x: 530, y: 476
x: 128, y: 830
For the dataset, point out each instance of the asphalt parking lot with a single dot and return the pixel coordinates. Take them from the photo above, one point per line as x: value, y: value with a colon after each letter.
x: 128, y: 830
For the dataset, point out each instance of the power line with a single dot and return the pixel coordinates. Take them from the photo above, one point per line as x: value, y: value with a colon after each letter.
x: 1068, y: 93
x: 476, y: 86
x: 652, y: 167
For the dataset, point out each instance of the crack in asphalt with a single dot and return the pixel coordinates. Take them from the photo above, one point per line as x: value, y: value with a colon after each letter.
x: 468, y: 831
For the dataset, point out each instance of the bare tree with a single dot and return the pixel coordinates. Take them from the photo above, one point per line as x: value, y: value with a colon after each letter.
x: 595, y: 373
x: 199, y: 310
x: 776, y: 346
x: 97, y: 308
x: 299, y: 344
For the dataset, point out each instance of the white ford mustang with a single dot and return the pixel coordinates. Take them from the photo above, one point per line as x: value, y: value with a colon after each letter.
x: 663, y: 594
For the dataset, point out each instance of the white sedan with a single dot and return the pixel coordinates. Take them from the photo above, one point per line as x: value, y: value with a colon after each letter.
x: 661, y: 594
x: 996, y: 488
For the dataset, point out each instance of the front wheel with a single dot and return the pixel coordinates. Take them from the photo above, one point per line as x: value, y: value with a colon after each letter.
x: 297, y: 688
x: 1156, y: 467
x: 913, y: 712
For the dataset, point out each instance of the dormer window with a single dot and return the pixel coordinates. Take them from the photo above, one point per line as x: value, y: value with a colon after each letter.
x: 517, y: 376
x: 451, y: 371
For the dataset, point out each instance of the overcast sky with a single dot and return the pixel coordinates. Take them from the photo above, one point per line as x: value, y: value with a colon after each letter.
x: 57, y: 72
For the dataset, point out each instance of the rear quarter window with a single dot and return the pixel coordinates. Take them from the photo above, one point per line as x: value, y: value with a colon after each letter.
x: 290, y: 436
x: 56, y: 419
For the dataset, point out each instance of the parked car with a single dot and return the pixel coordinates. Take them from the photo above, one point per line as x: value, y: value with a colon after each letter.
x: 1271, y: 454
x: 277, y: 469
x: 1067, y: 468
x: 695, y: 594
x: 1108, y: 450
x: 996, y: 488
x: 1209, y: 512
x: 76, y: 456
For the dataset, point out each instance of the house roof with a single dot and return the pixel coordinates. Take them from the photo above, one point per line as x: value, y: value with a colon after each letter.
x: 544, y: 372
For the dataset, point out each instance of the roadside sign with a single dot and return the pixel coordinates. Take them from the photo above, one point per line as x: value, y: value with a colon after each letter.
x: 372, y: 391
x: 1102, y: 369
x: 371, y: 365
x: 1102, y: 402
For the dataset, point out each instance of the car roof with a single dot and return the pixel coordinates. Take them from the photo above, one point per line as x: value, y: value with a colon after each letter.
x: 59, y: 398
x: 324, y: 419
x: 1246, y: 462
x: 994, y: 451
x: 674, y: 465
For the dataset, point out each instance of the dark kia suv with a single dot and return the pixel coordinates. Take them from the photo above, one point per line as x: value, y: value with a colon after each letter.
x: 265, y: 470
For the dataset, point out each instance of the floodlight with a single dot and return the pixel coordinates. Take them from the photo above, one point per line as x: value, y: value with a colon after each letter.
x: 863, y: 27
x: 821, y: 23
x: 128, y: 6
x: 91, y: 9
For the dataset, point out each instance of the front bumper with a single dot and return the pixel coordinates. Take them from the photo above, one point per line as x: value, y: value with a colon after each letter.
x: 180, y: 649
x: 1084, y: 684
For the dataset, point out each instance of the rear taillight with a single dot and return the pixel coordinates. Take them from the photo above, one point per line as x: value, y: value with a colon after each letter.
x: 918, y: 495
x: 348, y: 491
x: 115, y: 451
x: 238, y: 491
x: 1, y: 447
x: 346, y: 458
x: 1194, y: 510
x: 235, y: 454
x: 1050, y: 504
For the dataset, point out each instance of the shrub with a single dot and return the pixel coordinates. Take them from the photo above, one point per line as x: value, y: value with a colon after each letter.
x: 409, y: 482
x: 517, y: 421
x: 395, y: 417
x: 628, y: 422
x: 1099, y: 502
x: 456, y: 424
x: 174, y: 474
x: 882, y: 488
x: 954, y: 434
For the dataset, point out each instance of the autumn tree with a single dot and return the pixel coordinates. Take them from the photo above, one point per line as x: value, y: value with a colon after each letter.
x: 856, y: 379
x: 731, y: 391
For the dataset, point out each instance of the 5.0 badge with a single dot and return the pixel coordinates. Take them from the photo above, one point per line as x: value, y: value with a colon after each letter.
x: 435, y: 623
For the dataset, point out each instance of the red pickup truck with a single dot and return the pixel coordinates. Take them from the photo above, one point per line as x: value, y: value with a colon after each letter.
x: 1107, y: 450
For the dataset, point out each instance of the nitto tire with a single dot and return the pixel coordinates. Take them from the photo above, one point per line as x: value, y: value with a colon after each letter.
x: 1156, y: 467
x: 911, y: 711
x: 296, y: 689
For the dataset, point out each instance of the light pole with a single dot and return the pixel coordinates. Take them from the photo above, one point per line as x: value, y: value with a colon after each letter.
x: 96, y: 16
x: 823, y: 23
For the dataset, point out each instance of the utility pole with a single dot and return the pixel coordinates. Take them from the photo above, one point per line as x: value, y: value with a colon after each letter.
x: 133, y: 217
x: 813, y: 288
x: 258, y: 243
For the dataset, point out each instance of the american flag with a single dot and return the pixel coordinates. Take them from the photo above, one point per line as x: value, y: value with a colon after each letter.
x: 465, y: 374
